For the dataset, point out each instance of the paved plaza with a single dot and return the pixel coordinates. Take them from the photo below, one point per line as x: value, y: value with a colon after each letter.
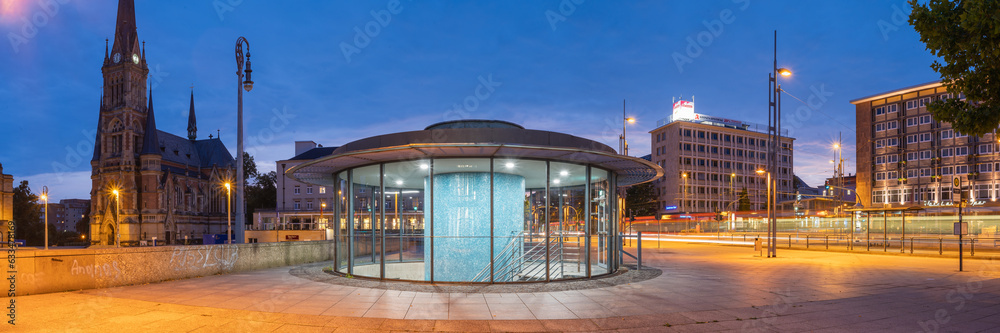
x: 702, y: 288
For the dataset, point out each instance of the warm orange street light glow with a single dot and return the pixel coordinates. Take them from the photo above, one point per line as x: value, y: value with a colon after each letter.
x: 115, y: 192
x: 685, y: 175
x: 227, y: 186
x: 836, y: 146
x: 630, y: 120
x: 760, y: 171
x: 784, y: 72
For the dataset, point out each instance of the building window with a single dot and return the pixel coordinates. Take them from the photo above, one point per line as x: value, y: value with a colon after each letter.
x: 986, y: 167
x: 892, y: 142
x: 297, y: 206
x: 880, y: 127
x: 911, y: 121
x: 892, y: 125
x: 911, y: 156
x: 727, y: 151
x: 715, y: 136
x: 309, y: 190
x: 925, y: 119
x: 715, y: 150
x: 297, y: 190
x: 946, y: 134
x: 309, y: 205
x: 891, y: 108
x: 910, y: 105
x: 880, y: 111
x: 727, y: 138
x: 322, y: 190
x: 739, y: 139
x: 986, y: 148
x: 961, y: 169
x: 946, y: 152
x: 892, y: 158
x: 961, y: 151
x: 911, y: 138
x: 701, y: 134
x: 701, y: 149
x: 925, y: 154
x: 925, y: 137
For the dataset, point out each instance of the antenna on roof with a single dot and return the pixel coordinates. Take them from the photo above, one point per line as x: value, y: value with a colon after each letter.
x: 218, y: 134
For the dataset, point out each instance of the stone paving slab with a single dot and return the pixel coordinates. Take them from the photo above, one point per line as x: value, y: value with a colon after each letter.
x: 702, y: 288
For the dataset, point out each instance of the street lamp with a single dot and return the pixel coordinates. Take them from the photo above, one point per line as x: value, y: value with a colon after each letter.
x: 118, y: 231
x: 45, y: 196
x: 322, y: 205
x: 628, y: 120
x: 241, y: 85
x: 229, y: 213
x: 685, y: 203
x: 774, y: 135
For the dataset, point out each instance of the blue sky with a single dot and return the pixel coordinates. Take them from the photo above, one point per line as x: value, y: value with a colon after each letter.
x: 554, y: 65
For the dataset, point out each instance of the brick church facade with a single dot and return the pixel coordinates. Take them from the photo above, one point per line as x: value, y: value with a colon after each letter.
x: 169, y: 187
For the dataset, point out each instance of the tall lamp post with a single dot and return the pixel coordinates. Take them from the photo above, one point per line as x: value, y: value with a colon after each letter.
x: 118, y: 231
x: 45, y: 196
x: 774, y: 134
x: 241, y: 85
x: 625, y: 121
x: 229, y: 213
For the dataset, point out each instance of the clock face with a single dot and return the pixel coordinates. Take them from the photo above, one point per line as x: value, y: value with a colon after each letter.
x: 135, y: 58
x: 118, y: 57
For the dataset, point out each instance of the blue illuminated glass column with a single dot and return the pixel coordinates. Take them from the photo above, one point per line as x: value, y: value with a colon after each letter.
x: 462, y: 221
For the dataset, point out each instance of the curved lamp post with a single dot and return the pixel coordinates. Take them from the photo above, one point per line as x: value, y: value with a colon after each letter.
x: 241, y: 85
x: 774, y: 134
x: 229, y: 213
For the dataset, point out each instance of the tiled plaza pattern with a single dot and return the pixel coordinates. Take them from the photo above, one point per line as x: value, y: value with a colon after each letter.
x: 703, y: 288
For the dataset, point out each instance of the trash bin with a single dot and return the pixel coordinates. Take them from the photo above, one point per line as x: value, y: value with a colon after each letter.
x: 757, y: 244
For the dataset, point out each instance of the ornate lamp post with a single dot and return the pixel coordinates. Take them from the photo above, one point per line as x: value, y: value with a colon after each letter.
x: 241, y: 85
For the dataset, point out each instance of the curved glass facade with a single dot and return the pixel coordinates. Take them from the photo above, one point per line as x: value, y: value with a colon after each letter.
x: 492, y: 220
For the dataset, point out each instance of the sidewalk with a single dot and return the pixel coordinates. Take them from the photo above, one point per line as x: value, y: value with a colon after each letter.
x: 703, y: 288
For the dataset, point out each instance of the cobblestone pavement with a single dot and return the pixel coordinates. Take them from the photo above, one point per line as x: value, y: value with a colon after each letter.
x: 702, y: 288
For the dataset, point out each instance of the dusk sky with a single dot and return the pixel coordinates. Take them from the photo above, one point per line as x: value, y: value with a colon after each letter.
x: 554, y: 65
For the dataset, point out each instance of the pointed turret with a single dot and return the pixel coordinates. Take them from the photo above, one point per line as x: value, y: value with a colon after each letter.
x: 150, y: 142
x: 192, y: 122
x: 126, y: 39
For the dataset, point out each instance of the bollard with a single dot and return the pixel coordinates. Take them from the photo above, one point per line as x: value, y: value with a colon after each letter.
x: 972, y: 245
x: 940, y: 247
x: 911, y: 245
x: 789, y: 241
x: 827, y: 242
x: 807, y: 241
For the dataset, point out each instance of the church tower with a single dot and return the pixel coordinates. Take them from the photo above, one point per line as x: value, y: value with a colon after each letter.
x: 121, y: 130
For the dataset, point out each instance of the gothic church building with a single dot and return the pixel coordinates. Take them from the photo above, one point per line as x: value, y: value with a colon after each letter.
x: 168, y: 187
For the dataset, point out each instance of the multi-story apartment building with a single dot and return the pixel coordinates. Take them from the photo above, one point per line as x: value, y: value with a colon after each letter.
x: 302, y: 209
x: 905, y: 158
x: 709, y: 161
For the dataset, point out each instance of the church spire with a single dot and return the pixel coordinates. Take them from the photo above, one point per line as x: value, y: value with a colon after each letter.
x: 126, y: 38
x: 192, y: 122
x: 150, y: 142
x: 100, y: 127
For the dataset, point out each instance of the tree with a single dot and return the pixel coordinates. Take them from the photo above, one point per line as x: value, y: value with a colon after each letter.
x: 249, y: 168
x: 26, y: 212
x: 263, y: 194
x: 83, y: 225
x: 965, y: 34
x: 744, y: 200
x: 641, y: 199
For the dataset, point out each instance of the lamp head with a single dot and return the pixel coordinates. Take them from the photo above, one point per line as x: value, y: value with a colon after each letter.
x: 248, y: 83
x: 227, y: 185
x: 760, y: 171
x: 784, y: 72
x: 115, y: 192
x: 630, y: 120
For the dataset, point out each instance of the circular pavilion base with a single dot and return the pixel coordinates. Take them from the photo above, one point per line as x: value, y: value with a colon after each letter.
x: 319, y: 272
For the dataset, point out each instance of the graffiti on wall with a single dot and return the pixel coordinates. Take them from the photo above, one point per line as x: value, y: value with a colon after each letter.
x: 221, y: 256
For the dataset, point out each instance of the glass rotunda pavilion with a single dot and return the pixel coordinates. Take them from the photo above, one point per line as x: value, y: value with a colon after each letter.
x: 476, y: 201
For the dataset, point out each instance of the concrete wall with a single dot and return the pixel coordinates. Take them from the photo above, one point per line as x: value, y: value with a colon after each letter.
x: 41, y: 271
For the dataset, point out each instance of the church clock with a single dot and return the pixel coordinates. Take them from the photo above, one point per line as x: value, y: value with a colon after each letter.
x: 118, y: 57
x: 135, y: 58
